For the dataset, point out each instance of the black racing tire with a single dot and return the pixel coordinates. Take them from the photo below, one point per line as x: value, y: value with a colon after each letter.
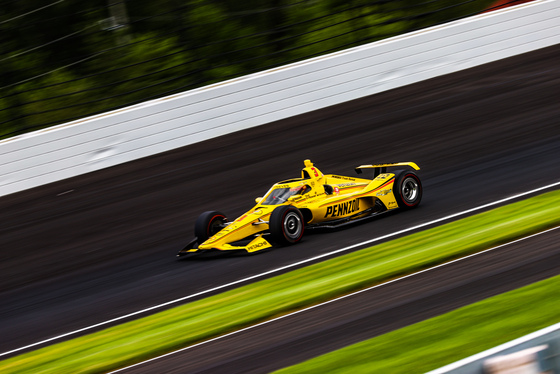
x: 286, y: 225
x: 408, y: 190
x: 208, y: 224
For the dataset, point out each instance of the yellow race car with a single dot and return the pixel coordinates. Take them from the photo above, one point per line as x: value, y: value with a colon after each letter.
x: 314, y: 200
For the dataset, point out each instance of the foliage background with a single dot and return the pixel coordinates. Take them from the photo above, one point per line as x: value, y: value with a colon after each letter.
x: 62, y: 60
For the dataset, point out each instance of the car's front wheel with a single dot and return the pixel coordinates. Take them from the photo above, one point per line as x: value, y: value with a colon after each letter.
x: 286, y: 225
x: 208, y: 224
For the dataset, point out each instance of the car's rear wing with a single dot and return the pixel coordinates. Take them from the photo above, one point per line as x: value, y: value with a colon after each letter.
x: 382, y: 168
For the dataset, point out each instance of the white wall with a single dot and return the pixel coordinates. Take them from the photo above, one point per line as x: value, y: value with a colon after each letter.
x: 160, y: 125
x: 549, y: 336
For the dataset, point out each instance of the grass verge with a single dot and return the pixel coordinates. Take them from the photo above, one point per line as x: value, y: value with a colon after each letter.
x: 439, y: 341
x: 134, y: 341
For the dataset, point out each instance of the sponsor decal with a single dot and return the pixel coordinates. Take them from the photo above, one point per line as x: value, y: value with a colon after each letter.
x: 345, y: 178
x: 346, y: 184
x: 256, y: 246
x: 336, y: 190
x: 383, y: 192
x: 218, y: 235
x: 343, y: 209
x: 383, y: 176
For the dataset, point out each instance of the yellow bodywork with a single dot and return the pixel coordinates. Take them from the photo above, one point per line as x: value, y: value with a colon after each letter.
x: 321, y: 199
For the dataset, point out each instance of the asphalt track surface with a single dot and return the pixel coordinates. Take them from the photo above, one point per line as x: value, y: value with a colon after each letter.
x: 332, y: 326
x: 98, y: 246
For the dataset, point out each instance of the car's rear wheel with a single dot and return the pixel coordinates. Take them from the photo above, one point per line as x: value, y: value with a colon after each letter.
x: 286, y: 225
x: 208, y: 224
x: 408, y: 190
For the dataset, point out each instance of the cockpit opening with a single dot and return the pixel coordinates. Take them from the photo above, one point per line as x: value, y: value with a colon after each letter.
x: 278, y: 196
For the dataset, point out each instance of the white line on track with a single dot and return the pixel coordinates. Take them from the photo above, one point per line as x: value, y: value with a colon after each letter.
x: 277, y: 270
x: 337, y: 299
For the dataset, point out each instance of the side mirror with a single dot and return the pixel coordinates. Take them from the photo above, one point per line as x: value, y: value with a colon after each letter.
x: 258, y: 199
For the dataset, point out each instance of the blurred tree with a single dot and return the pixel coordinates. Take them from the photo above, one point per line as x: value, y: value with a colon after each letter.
x: 62, y: 60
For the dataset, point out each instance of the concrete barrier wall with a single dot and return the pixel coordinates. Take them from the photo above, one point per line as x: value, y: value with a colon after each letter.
x: 546, y: 340
x: 160, y: 125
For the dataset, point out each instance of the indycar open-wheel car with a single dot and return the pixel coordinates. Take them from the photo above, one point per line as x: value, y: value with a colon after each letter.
x: 310, y: 201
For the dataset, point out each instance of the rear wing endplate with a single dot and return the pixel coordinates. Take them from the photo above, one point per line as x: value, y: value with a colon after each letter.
x: 382, y: 168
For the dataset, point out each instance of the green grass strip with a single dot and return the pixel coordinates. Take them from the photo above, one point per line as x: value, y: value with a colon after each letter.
x: 439, y: 341
x: 178, y: 327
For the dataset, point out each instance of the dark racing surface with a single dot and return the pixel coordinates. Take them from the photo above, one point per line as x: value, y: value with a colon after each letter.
x: 299, y: 337
x: 99, y: 246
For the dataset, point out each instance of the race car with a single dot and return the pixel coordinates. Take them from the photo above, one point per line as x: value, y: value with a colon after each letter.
x: 314, y: 200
